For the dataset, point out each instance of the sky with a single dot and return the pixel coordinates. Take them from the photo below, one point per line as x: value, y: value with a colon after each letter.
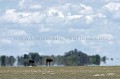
x: 53, y: 27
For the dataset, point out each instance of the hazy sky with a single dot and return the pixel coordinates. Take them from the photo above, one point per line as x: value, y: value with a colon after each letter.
x: 38, y: 19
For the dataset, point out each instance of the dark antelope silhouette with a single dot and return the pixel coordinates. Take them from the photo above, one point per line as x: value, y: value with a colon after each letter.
x: 48, y: 61
x: 31, y: 62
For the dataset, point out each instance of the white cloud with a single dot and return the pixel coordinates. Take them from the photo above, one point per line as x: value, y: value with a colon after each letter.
x: 56, y: 15
x: 97, y: 49
x: 29, y: 4
x: 18, y: 32
x: 24, y: 4
x: 89, y: 19
x: 23, y: 17
x: 110, y: 42
x: 25, y: 43
x: 70, y: 12
x: 35, y: 6
x: 114, y: 9
x: 116, y: 15
x: 73, y: 30
x: 84, y: 42
x: 50, y: 42
x: 113, y: 6
x: 37, y: 17
x: 86, y: 9
x: 11, y: 15
x: 44, y: 29
x: 73, y: 17
x: 14, y: 32
x: 5, y: 41
x: 21, y: 3
x: 100, y: 15
x: 54, y: 12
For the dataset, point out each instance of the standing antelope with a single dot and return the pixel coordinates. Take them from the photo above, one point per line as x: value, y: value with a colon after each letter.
x: 48, y: 61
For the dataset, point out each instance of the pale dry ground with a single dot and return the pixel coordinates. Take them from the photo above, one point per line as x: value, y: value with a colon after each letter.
x: 76, y: 72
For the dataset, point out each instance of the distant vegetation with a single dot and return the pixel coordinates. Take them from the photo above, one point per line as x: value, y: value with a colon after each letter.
x: 70, y: 58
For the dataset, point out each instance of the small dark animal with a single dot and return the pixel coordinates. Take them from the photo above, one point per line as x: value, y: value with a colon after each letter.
x: 31, y: 62
x: 48, y: 61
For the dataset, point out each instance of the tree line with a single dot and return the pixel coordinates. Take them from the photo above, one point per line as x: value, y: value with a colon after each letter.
x: 70, y: 58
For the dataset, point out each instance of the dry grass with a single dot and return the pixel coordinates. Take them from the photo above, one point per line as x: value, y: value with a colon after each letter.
x: 70, y: 72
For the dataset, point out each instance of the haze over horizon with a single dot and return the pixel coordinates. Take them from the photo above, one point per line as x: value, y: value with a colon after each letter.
x: 23, y: 24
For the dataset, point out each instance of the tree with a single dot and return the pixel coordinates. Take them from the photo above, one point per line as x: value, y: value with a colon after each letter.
x: 3, y: 60
x: 26, y: 60
x: 96, y: 59
x: 12, y: 60
x: 75, y: 58
x: 20, y: 61
x: 59, y: 60
x: 104, y: 59
x: 36, y: 58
